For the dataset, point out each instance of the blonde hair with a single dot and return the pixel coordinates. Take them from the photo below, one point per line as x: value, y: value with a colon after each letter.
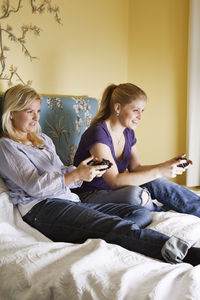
x: 18, y: 98
x: 123, y: 93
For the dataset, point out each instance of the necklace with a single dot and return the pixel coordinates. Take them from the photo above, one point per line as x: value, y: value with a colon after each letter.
x: 116, y: 137
x: 119, y: 139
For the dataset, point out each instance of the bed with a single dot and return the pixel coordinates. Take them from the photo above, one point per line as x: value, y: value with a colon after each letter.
x: 34, y: 267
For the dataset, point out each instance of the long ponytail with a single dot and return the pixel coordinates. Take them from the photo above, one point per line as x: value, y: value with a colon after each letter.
x: 123, y: 93
x: 105, y: 107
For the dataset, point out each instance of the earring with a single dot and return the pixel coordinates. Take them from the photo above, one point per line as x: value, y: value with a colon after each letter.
x: 117, y: 114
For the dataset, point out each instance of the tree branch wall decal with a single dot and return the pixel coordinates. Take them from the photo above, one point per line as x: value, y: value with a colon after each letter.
x: 8, y: 73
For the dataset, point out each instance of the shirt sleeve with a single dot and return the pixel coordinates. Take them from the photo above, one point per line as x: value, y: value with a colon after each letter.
x: 93, y: 135
x: 64, y: 169
x: 68, y: 169
x: 132, y: 137
x: 97, y: 134
x: 21, y: 170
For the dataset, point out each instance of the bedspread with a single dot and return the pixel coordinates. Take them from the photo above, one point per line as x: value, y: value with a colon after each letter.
x: 34, y: 267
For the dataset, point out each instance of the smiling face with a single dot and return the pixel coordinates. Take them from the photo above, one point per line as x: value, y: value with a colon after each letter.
x: 25, y: 121
x: 130, y: 114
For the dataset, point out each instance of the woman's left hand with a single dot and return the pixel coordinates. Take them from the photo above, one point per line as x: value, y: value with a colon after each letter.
x: 89, y: 172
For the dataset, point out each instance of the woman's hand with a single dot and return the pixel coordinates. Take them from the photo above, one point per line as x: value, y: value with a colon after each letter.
x: 84, y: 172
x: 170, y: 168
x: 88, y: 173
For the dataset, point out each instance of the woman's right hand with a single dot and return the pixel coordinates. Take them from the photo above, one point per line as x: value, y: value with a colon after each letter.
x: 170, y: 168
x: 88, y: 173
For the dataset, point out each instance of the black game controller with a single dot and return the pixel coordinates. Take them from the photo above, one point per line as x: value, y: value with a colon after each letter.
x: 185, y: 164
x: 103, y: 162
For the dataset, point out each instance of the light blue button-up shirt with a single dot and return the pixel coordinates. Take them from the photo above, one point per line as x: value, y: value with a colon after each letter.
x: 32, y: 174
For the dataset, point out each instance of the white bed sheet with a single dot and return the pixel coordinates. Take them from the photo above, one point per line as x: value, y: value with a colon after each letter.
x: 33, y: 267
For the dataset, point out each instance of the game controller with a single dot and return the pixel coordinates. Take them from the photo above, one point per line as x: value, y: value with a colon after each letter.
x: 185, y: 164
x: 103, y: 162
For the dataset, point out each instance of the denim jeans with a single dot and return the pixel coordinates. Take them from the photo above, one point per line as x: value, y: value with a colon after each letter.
x: 172, y: 195
x: 130, y: 195
x: 74, y: 222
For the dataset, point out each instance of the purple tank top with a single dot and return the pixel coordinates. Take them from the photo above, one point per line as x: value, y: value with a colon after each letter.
x: 99, y: 134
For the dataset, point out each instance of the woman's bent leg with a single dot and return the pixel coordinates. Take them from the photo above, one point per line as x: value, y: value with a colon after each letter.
x: 174, y: 196
x: 137, y: 214
x: 133, y: 195
x: 66, y: 221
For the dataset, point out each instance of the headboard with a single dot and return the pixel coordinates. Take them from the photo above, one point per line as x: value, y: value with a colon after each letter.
x: 65, y: 119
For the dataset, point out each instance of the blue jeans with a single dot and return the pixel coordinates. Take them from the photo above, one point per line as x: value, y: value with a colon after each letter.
x: 132, y: 195
x: 75, y: 222
x: 172, y: 195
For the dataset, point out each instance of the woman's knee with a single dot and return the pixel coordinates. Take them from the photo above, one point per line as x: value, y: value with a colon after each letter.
x: 142, y: 217
x: 145, y: 197
x: 132, y: 195
x: 136, y: 195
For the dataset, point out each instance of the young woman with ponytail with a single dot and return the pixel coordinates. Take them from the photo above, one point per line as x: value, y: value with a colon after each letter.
x: 111, y: 136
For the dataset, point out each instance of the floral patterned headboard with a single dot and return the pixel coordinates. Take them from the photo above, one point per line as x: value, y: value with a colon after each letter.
x: 65, y: 119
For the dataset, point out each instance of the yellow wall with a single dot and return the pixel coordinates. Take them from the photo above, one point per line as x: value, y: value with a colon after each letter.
x: 82, y: 56
x: 158, y: 36
x: 105, y: 41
